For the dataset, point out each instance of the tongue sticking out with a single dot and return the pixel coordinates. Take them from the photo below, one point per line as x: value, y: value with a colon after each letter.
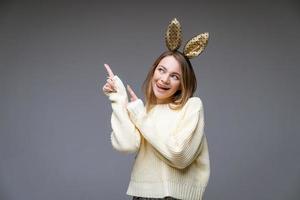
x: 162, y: 87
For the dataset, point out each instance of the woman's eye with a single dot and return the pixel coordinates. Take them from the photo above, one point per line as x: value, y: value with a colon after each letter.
x: 175, y: 77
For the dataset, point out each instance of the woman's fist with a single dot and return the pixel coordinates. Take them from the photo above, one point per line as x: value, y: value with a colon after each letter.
x: 110, y: 85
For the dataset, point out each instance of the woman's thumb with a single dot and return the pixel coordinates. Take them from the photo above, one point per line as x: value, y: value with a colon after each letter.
x: 131, y: 93
x: 129, y: 90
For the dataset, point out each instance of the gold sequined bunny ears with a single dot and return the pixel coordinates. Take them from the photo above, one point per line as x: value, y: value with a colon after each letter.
x: 192, y: 48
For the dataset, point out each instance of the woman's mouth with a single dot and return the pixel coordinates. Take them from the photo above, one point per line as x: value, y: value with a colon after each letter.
x: 161, y: 88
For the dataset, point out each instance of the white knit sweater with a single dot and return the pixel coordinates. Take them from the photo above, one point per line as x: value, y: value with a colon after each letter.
x: 172, y: 151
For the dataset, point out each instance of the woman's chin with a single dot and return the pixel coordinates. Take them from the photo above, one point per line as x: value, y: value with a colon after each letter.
x: 158, y: 95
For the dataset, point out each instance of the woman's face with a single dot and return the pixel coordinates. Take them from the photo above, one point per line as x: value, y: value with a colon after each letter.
x: 166, y: 79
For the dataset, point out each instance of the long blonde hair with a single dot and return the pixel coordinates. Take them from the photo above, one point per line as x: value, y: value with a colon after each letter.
x: 188, y: 82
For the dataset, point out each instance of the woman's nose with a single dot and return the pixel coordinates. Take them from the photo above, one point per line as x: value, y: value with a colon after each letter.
x: 165, y: 78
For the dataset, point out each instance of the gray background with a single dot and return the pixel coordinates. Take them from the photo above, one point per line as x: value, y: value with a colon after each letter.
x: 55, y: 121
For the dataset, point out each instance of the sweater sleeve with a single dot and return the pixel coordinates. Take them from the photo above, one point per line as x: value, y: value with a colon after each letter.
x: 179, y: 146
x: 125, y: 137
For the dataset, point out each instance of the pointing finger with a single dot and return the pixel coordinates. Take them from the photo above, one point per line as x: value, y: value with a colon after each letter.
x: 109, y: 71
x: 132, y: 94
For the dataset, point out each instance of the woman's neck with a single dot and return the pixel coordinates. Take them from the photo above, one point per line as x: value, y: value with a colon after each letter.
x: 165, y: 101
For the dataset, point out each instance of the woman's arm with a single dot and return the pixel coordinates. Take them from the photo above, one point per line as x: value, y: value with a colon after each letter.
x: 125, y: 137
x: 179, y: 146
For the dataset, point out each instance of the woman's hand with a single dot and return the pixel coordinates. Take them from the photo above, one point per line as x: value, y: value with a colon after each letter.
x: 110, y: 85
x: 132, y: 95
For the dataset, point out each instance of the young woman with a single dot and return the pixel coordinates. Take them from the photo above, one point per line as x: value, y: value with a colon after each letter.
x: 167, y: 133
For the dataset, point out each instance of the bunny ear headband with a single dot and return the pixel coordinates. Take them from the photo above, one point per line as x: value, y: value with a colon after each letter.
x: 192, y: 48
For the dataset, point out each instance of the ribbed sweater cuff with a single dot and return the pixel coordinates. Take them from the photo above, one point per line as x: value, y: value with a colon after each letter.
x: 136, y: 110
